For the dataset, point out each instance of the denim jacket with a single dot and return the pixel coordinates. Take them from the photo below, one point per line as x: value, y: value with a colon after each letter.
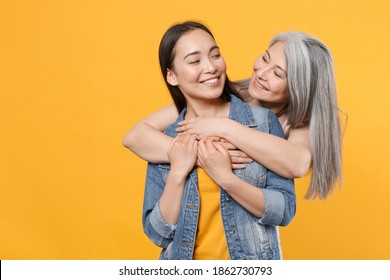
x: 248, y: 236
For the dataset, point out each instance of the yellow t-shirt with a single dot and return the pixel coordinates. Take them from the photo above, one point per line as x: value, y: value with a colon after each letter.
x: 210, y: 242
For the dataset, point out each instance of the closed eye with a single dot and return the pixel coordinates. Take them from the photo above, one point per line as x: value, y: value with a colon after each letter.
x: 194, y: 62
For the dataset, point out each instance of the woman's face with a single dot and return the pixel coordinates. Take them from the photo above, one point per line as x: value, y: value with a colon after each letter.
x: 269, y: 79
x: 199, y: 69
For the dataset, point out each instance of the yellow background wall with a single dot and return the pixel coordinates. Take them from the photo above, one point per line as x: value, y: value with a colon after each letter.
x: 76, y: 74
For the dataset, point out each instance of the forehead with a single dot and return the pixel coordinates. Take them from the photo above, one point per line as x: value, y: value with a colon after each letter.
x: 277, y: 54
x: 196, y: 40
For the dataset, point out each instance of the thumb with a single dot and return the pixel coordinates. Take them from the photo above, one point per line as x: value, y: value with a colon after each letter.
x: 215, y: 138
x: 171, y: 144
x: 220, y: 148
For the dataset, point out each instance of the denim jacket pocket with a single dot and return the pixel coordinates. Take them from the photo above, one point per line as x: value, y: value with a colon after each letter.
x: 254, y: 174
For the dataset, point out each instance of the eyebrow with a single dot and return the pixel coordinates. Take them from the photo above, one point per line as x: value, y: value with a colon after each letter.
x: 198, y: 52
x: 269, y: 55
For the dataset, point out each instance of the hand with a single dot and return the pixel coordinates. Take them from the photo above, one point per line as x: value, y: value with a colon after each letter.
x: 182, y: 154
x: 214, y: 158
x: 201, y: 127
x: 237, y: 157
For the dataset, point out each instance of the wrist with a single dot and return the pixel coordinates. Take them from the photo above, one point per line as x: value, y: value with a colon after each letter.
x: 177, y: 175
x: 224, y: 128
x: 227, y: 181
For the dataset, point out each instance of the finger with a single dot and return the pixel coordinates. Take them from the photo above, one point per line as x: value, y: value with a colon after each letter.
x: 238, y: 166
x: 238, y: 153
x: 201, y: 154
x: 220, y: 148
x: 241, y: 160
x: 192, y: 140
x: 214, y: 138
x: 195, y: 144
x: 202, y: 150
x: 210, y: 144
x: 235, y: 153
x: 182, y: 138
x: 201, y: 146
x: 172, y: 142
x: 228, y: 145
x: 183, y: 128
x: 188, y: 138
x: 198, y: 162
x: 183, y: 122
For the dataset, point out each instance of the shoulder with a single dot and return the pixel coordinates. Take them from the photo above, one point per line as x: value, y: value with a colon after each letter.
x: 256, y: 117
x: 242, y: 111
x: 171, y: 129
x: 263, y: 115
x: 260, y: 110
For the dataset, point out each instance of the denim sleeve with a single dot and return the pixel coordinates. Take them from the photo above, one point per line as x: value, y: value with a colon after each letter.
x: 155, y: 227
x: 279, y: 192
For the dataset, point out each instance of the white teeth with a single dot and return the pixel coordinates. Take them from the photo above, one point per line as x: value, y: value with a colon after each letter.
x: 261, y: 86
x: 211, y: 81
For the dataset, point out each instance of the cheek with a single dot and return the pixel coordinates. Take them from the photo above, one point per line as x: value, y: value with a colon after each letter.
x: 280, y: 90
x: 222, y: 65
x: 281, y: 87
x: 188, y: 76
x: 251, y: 86
x: 284, y: 93
x: 223, y: 68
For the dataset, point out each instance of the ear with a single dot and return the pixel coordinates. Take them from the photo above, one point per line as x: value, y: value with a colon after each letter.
x: 171, y: 78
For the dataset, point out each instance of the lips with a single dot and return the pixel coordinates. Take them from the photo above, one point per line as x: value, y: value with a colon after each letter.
x: 260, y: 86
x: 211, y: 81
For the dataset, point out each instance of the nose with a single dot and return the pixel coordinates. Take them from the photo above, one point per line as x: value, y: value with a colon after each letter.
x: 262, y: 72
x: 210, y: 67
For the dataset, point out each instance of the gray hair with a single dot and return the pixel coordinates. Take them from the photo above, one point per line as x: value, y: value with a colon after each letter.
x: 313, y: 102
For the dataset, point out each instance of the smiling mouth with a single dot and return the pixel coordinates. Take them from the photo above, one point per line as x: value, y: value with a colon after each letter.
x: 260, y: 86
x: 211, y: 81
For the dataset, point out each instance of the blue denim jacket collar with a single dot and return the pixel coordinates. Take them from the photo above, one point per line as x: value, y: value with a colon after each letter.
x: 239, y: 112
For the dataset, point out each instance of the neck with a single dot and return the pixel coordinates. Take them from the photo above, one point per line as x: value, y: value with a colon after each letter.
x: 207, y: 108
x: 276, y: 108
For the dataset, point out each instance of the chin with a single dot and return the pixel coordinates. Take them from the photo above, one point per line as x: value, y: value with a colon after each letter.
x: 255, y: 94
x: 216, y: 95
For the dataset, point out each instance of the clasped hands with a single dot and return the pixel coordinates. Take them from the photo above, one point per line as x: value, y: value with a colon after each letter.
x: 217, y: 156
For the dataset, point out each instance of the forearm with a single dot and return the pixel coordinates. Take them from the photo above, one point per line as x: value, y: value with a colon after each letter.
x: 147, y: 140
x: 277, y: 154
x: 171, y: 198
x: 148, y: 143
x: 273, y: 205
x: 248, y: 196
